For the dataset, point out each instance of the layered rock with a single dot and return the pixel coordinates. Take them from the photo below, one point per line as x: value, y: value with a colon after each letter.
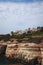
x: 24, y: 51
x: 42, y: 55
x: 11, y: 50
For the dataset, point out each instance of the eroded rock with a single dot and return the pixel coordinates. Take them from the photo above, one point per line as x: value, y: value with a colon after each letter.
x: 25, y: 52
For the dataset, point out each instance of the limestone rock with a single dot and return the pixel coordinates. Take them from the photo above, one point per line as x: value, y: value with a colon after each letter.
x: 25, y: 51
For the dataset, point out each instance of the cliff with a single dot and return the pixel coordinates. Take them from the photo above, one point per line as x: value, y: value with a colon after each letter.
x: 24, y: 52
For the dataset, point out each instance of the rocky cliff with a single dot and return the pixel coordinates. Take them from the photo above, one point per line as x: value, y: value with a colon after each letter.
x: 24, y: 52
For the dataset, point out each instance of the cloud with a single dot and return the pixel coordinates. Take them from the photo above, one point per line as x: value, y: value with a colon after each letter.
x: 15, y: 16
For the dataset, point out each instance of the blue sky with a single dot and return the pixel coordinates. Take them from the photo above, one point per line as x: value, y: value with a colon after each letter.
x: 19, y: 0
x: 15, y: 16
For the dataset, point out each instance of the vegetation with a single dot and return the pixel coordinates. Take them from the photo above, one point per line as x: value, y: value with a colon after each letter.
x: 28, y: 35
x: 38, y: 33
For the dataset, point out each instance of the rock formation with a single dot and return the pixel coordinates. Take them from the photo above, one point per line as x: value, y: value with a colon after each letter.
x: 24, y: 52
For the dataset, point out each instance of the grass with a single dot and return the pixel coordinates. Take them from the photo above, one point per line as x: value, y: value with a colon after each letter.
x: 37, y: 34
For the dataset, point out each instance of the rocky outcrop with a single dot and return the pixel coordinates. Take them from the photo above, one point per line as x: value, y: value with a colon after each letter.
x: 24, y: 52
x: 42, y: 55
x: 11, y: 50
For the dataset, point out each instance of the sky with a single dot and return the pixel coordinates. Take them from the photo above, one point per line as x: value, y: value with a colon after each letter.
x: 20, y: 15
x: 19, y: 0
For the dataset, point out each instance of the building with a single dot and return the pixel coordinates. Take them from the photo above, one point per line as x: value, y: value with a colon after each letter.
x: 34, y: 30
